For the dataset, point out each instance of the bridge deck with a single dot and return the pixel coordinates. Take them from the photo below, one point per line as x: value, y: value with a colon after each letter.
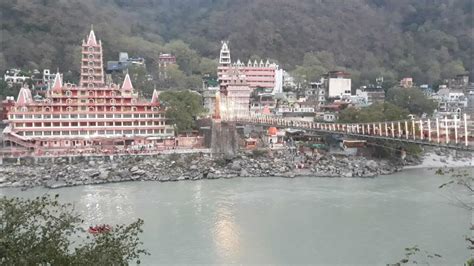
x: 348, y: 130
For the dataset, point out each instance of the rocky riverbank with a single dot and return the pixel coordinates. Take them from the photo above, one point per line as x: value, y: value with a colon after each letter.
x: 176, y: 167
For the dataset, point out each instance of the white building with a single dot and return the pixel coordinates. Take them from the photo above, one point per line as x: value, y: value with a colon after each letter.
x: 15, y: 76
x: 338, y: 84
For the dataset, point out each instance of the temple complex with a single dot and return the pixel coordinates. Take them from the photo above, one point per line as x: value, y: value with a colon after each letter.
x: 258, y: 74
x: 89, y: 116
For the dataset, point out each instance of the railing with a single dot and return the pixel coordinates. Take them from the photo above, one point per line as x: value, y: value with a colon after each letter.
x: 442, y: 132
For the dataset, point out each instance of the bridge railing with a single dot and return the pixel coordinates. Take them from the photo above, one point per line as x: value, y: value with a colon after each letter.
x: 440, y: 131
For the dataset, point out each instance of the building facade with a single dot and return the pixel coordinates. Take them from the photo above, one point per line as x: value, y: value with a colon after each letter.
x: 235, y: 95
x: 89, y: 115
x: 164, y: 60
x: 258, y: 74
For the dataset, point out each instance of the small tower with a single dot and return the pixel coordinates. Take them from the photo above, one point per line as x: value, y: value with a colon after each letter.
x: 92, y: 69
x: 127, y: 86
x: 58, y: 83
x: 224, y: 58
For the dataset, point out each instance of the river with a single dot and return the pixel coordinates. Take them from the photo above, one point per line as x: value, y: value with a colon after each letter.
x: 319, y: 221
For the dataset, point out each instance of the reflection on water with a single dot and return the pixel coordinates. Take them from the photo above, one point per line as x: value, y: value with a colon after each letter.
x: 102, y: 202
x: 323, y: 221
x: 226, y: 234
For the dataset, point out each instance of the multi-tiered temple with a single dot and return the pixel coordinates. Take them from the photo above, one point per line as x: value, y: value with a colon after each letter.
x: 89, y: 116
x: 258, y: 74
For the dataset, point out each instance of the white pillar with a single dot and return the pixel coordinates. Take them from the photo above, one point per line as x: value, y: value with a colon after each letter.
x: 399, y: 130
x: 421, y: 130
x: 363, y: 129
x: 465, y: 130
x: 413, y: 127
x: 393, y: 131
x: 455, y: 129
x: 429, y: 130
x: 446, y: 131
x: 437, y: 129
x: 380, y: 129
x: 406, y: 129
x: 386, y: 130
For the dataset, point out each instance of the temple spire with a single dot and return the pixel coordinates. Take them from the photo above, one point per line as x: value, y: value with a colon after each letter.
x: 91, y: 40
x: 127, y: 83
x: 155, y: 97
x: 58, y: 83
x: 24, y: 96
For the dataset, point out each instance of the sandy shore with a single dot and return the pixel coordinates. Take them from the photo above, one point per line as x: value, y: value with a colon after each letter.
x: 431, y: 160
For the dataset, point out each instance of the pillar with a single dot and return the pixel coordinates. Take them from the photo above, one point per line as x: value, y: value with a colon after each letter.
x: 393, y: 131
x: 406, y: 129
x: 437, y: 130
x: 399, y: 130
x: 413, y: 127
x: 429, y: 130
x: 465, y: 130
x: 386, y: 130
x: 421, y: 130
x: 455, y: 129
x: 446, y: 130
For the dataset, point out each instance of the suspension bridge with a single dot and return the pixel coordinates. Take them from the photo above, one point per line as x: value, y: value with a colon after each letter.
x: 455, y: 133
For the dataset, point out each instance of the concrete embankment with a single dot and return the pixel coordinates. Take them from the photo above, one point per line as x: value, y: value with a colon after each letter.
x: 106, y: 169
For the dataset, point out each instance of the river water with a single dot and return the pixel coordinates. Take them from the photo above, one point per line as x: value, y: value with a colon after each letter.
x: 319, y: 221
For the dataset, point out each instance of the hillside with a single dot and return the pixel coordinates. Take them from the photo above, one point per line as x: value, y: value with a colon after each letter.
x: 426, y: 39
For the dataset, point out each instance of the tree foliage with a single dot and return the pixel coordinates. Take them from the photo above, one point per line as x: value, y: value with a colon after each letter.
x: 373, y: 113
x: 182, y: 108
x: 42, y: 231
x: 428, y: 40
x: 411, y: 99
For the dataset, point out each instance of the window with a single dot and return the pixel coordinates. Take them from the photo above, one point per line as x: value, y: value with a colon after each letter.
x: 68, y: 93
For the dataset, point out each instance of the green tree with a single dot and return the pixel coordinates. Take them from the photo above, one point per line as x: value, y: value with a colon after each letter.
x: 411, y: 99
x: 42, y: 231
x: 374, y: 113
x: 141, y: 80
x: 182, y: 108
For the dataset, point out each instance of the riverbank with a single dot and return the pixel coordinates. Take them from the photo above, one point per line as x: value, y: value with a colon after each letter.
x: 64, y: 172
x: 176, y: 167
